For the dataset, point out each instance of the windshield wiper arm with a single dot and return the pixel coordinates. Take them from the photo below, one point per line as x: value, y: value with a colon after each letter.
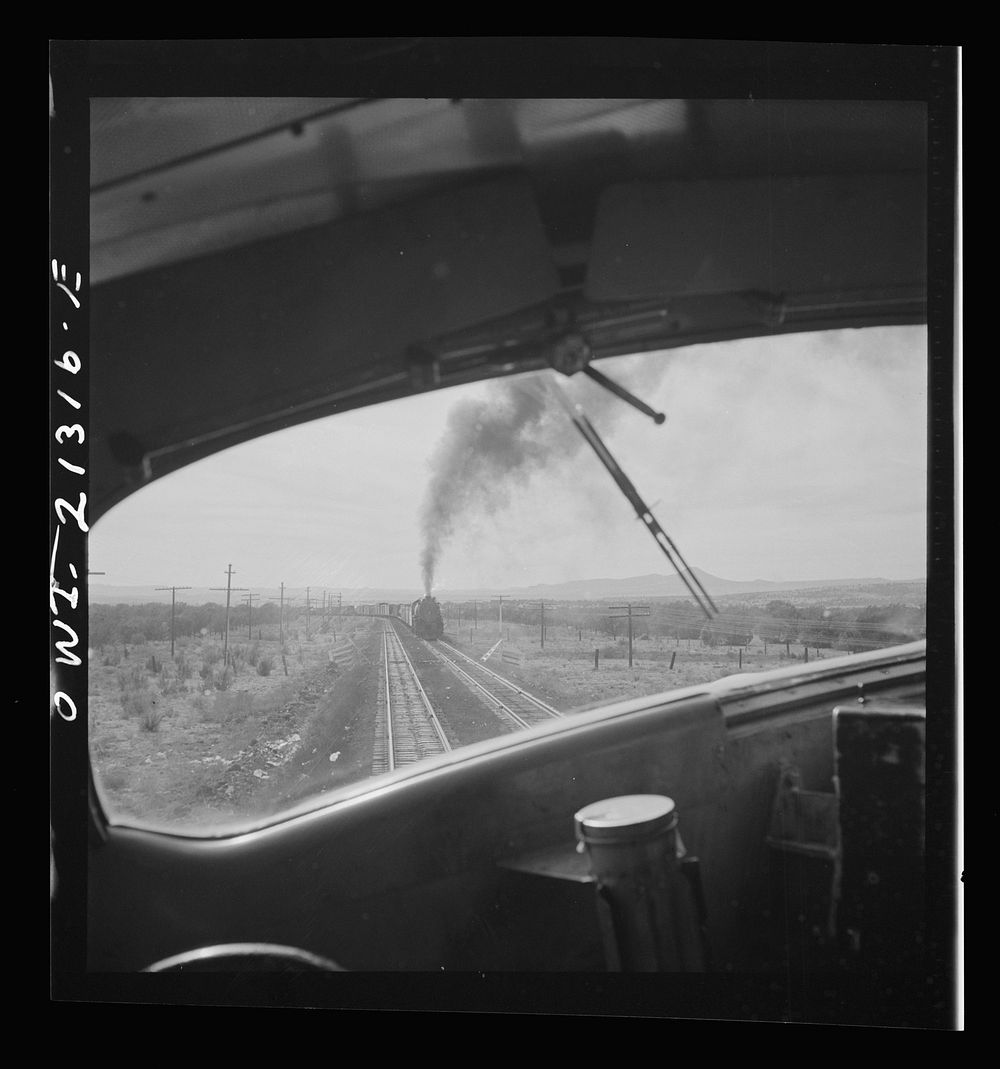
x: 620, y: 391
x: 663, y: 540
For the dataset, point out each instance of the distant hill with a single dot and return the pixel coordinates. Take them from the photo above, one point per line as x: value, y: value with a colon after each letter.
x: 654, y: 585
x: 657, y: 585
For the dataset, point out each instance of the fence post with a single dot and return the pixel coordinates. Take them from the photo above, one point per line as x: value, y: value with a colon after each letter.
x: 673, y: 657
x: 597, y: 655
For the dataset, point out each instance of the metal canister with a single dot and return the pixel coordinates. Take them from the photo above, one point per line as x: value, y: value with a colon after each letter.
x: 648, y: 912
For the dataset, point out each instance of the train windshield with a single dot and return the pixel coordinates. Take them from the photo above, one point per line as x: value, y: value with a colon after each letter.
x: 360, y: 594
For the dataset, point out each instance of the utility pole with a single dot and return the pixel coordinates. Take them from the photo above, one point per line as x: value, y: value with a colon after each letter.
x: 228, y: 588
x: 281, y: 615
x: 307, y: 612
x: 500, y: 597
x: 173, y: 596
x: 248, y: 598
x: 475, y: 616
x: 542, y: 603
x: 632, y: 610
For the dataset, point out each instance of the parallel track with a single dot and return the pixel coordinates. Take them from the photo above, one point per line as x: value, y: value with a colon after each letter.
x: 511, y: 701
x: 407, y: 729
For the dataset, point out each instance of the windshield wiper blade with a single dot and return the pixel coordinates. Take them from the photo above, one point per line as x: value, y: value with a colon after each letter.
x: 662, y: 539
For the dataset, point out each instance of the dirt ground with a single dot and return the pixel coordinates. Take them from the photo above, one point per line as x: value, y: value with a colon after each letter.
x: 563, y: 672
x: 175, y: 742
x: 186, y: 753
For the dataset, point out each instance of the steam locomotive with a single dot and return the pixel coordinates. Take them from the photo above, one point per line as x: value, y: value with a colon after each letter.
x: 423, y: 615
x: 426, y: 619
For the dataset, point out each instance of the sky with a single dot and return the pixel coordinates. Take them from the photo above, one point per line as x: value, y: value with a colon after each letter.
x: 795, y: 457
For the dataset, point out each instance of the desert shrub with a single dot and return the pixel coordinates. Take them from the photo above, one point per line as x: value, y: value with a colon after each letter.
x: 133, y: 678
x: 199, y: 703
x: 183, y: 666
x: 136, y: 702
x: 211, y: 655
x: 137, y: 638
x: 150, y: 719
x: 153, y: 665
x: 225, y: 680
x: 112, y: 657
x: 171, y: 684
x: 252, y: 655
x: 264, y: 666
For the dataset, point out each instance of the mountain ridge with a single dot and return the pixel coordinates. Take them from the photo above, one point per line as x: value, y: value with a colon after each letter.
x: 651, y: 585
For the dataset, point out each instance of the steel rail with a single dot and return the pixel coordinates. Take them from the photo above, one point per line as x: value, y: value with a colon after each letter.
x: 544, y: 706
x: 495, y: 700
x: 431, y: 715
x: 389, y: 741
x: 502, y: 707
x: 411, y: 729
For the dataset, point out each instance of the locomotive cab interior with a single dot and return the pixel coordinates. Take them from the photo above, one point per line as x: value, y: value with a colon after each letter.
x: 259, y: 261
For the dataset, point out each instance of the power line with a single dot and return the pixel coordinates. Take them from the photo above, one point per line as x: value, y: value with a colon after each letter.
x: 228, y: 589
x: 281, y: 615
x: 631, y: 610
x: 500, y: 598
x: 173, y: 601
x: 248, y: 598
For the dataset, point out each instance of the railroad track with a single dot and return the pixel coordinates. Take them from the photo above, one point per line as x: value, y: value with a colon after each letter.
x: 406, y: 728
x: 512, y: 702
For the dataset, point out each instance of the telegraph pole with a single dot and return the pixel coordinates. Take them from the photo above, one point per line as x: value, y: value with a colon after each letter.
x: 228, y: 588
x: 632, y: 610
x: 281, y: 615
x: 542, y: 603
x: 173, y: 596
x: 500, y: 597
x: 475, y: 616
x: 248, y: 598
x: 307, y: 612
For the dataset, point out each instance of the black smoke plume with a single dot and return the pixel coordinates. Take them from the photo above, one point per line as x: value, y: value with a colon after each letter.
x: 494, y: 444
